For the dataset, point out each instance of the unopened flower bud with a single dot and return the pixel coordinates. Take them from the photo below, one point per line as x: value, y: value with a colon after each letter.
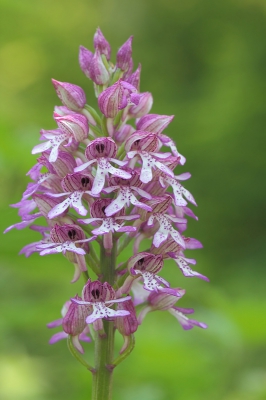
x: 72, y: 96
x: 154, y: 123
x: 144, y: 106
x: 97, y: 70
x: 101, y: 44
x: 85, y: 57
x: 123, y: 56
x: 117, y: 97
x: 123, y: 133
x: 134, y: 79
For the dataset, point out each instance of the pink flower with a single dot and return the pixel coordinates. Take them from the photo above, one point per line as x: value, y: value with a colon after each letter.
x: 164, y: 301
x: 73, y: 323
x: 101, y: 296
x: 102, y: 151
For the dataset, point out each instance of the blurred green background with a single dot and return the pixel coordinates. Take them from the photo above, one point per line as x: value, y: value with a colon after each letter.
x: 205, y: 62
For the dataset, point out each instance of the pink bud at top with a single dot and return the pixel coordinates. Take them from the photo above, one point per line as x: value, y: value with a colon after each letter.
x: 101, y: 44
x: 144, y: 106
x: 98, y: 292
x: 154, y: 123
x: 123, y: 56
x: 134, y: 79
x: 75, y: 125
x: 72, y: 96
x: 127, y: 324
x: 97, y: 70
x: 74, y: 322
x: 85, y: 57
x: 77, y: 181
x: 67, y: 232
x: 117, y: 97
x: 101, y: 147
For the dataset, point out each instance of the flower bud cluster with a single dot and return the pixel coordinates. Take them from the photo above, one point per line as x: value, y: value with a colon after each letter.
x: 108, y: 184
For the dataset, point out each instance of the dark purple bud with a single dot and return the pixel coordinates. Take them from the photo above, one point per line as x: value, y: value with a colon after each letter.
x: 72, y: 96
x: 101, y: 44
x: 123, y: 56
x: 85, y: 57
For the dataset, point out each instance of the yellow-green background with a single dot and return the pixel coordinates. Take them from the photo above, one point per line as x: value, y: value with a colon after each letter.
x: 205, y: 62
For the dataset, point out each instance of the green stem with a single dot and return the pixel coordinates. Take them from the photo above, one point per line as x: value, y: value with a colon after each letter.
x: 104, y: 341
x: 104, y: 349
